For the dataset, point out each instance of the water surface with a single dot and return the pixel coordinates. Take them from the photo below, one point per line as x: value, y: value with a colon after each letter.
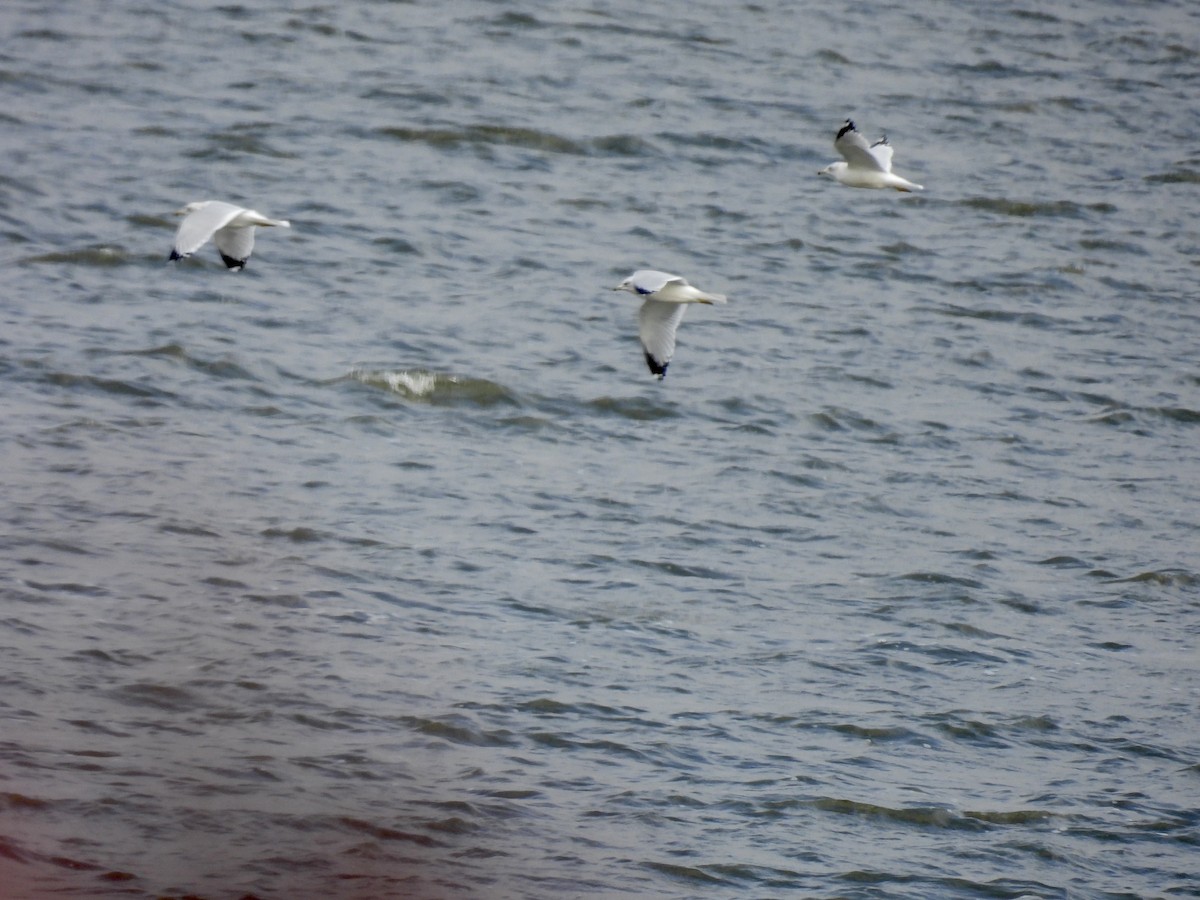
x: 385, y: 569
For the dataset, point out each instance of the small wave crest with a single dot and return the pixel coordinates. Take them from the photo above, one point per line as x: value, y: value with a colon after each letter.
x: 435, y: 387
x: 483, y: 136
x: 101, y: 255
x: 1059, y: 209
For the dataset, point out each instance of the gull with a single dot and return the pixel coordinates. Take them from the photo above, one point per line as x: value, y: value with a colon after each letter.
x: 231, y: 228
x: 866, y: 166
x: 667, y: 297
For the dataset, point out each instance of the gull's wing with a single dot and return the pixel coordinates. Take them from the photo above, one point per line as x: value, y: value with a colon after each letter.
x: 657, y: 322
x: 677, y: 290
x: 882, y: 151
x: 198, y: 226
x: 234, y: 245
x: 651, y: 281
x: 853, y: 146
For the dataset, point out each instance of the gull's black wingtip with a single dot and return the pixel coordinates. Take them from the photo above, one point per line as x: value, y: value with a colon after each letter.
x: 656, y: 368
x: 175, y: 254
x: 849, y: 126
x: 236, y: 264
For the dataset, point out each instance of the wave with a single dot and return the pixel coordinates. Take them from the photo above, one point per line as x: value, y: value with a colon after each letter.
x: 100, y: 255
x: 1059, y: 209
x: 436, y: 388
x: 525, y: 138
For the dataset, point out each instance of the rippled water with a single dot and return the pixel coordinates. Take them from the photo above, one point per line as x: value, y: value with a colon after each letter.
x: 385, y: 569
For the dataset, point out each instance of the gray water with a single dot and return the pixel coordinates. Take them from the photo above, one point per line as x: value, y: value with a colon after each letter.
x: 384, y: 568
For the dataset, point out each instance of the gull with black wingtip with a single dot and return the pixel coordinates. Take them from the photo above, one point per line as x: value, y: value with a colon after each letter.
x: 666, y: 300
x: 866, y: 165
x: 230, y: 227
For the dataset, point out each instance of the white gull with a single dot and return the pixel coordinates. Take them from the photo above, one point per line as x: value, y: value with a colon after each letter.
x: 231, y: 228
x: 866, y: 165
x: 667, y: 297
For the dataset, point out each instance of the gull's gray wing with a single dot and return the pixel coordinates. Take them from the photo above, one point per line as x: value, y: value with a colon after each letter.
x: 854, y: 148
x: 882, y: 151
x: 198, y: 226
x: 657, y: 322
x: 650, y: 281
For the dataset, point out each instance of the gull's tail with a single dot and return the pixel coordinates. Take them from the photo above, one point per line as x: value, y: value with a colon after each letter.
x: 710, y: 299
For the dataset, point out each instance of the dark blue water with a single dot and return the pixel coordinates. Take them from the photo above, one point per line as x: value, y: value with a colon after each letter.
x: 384, y: 568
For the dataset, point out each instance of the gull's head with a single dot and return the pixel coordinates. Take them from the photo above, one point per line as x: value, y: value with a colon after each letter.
x: 831, y: 170
x: 190, y: 208
x: 627, y: 285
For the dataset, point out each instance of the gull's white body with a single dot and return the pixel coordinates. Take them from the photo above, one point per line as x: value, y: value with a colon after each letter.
x: 667, y: 297
x: 866, y: 165
x: 230, y: 227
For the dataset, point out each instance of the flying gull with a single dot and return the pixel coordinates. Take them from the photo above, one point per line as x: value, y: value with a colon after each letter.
x: 667, y: 297
x: 866, y: 165
x: 231, y: 228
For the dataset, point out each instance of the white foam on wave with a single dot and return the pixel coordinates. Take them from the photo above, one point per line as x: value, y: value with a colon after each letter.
x: 419, y: 384
x: 412, y: 383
